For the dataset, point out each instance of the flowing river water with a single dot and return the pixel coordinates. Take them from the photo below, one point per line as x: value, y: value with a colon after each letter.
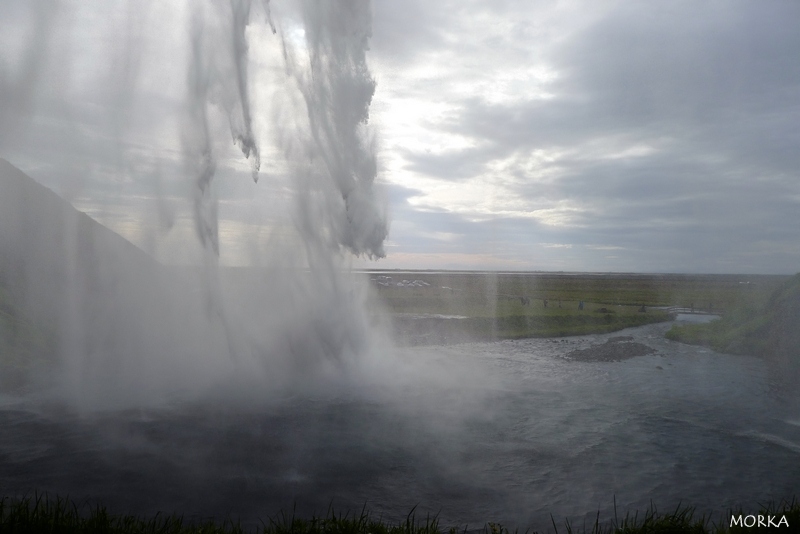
x: 529, y: 434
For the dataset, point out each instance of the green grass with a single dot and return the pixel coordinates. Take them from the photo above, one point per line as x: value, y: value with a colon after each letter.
x: 40, y: 514
x: 482, y: 294
x: 504, y: 306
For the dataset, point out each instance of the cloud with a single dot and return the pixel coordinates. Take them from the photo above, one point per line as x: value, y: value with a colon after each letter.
x: 665, y: 132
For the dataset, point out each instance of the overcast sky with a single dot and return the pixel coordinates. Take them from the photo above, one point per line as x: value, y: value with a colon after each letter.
x: 657, y: 136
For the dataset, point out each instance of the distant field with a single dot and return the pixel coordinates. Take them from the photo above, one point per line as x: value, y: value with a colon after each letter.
x: 479, y: 305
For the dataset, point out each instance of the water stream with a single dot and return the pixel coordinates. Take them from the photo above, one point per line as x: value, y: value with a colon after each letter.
x: 524, y: 434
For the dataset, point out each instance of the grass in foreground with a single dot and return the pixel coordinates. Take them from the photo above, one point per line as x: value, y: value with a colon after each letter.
x: 41, y: 514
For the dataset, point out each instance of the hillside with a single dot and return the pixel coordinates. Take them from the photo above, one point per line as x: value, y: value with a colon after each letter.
x: 771, y: 331
x: 67, y: 283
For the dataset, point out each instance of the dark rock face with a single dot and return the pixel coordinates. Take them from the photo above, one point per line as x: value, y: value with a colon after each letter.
x: 47, y: 247
x: 783, y: 338
x: 86, y: 288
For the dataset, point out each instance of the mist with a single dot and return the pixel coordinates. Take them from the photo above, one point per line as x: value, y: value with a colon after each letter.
x: 170, y: 106
x: 188, y: 112
x: 160, y: 104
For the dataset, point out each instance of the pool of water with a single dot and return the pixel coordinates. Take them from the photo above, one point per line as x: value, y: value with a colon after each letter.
x: 521, y: 433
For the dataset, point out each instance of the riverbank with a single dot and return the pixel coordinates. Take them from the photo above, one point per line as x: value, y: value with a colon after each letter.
x: 424, y: 329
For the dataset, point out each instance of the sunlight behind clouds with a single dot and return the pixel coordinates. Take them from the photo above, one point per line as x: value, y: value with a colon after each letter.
x: 666, y: 133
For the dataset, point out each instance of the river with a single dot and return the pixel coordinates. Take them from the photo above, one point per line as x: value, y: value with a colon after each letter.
x: 517, y: 432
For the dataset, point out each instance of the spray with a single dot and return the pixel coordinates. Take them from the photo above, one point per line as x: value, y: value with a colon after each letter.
x: 336, y: 209
x: 134, y: 332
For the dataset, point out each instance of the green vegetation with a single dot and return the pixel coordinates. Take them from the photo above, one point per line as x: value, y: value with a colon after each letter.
x: 478, y: 293
x: 43, y: 515
x: 442, y: 329
x: 769, y: 327
x: 472, y: 306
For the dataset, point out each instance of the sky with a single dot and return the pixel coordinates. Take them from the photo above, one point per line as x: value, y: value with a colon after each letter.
x: 510, y: 135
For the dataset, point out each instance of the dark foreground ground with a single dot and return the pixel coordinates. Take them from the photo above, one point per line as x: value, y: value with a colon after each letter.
x: 41, y: 514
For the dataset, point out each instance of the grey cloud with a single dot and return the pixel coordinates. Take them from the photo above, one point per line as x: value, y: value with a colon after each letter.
x: 398, y: 195
x: 402, y: 30
x: 714, y: 90
x: 641, y: 71
x: 705, y: 57
x: 443, y: 232
x: 451, y: 165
